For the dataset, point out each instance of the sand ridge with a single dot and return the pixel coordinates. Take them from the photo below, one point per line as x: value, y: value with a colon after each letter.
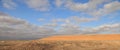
x: 86, y: 37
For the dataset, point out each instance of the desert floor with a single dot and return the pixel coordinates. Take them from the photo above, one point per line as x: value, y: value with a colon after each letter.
x: 82, y: 42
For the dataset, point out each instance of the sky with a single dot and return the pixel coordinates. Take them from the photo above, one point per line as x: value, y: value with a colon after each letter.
x: 33, y: 19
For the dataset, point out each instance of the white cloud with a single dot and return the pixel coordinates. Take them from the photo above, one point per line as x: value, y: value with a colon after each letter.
x: 9, y: 4
x: 76, y: 6
x: 40, y: 5
x: 72, y: 25
x: 107, y: 28
x: 51, y: 25
x: 85, y: 7
x: 15, y: 28
x: 75, y: 19
x: 92, y: 7
x: 83, y: 19
x: 108, y: 8
x: 68, y: 29
x: 58, y: 3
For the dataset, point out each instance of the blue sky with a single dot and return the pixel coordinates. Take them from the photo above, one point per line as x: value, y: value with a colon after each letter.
x: 32, y: 15
x: 63, y: 13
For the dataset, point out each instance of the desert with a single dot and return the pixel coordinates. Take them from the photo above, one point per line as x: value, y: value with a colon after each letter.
x: 75, y: 42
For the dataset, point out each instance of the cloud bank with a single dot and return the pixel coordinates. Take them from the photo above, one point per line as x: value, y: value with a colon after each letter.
x: 16, y: 28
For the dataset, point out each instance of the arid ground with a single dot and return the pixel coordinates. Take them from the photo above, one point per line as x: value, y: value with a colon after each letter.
x: 75, y: 42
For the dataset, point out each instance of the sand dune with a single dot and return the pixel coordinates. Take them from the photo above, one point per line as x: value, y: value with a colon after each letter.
x: 86, y: 37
